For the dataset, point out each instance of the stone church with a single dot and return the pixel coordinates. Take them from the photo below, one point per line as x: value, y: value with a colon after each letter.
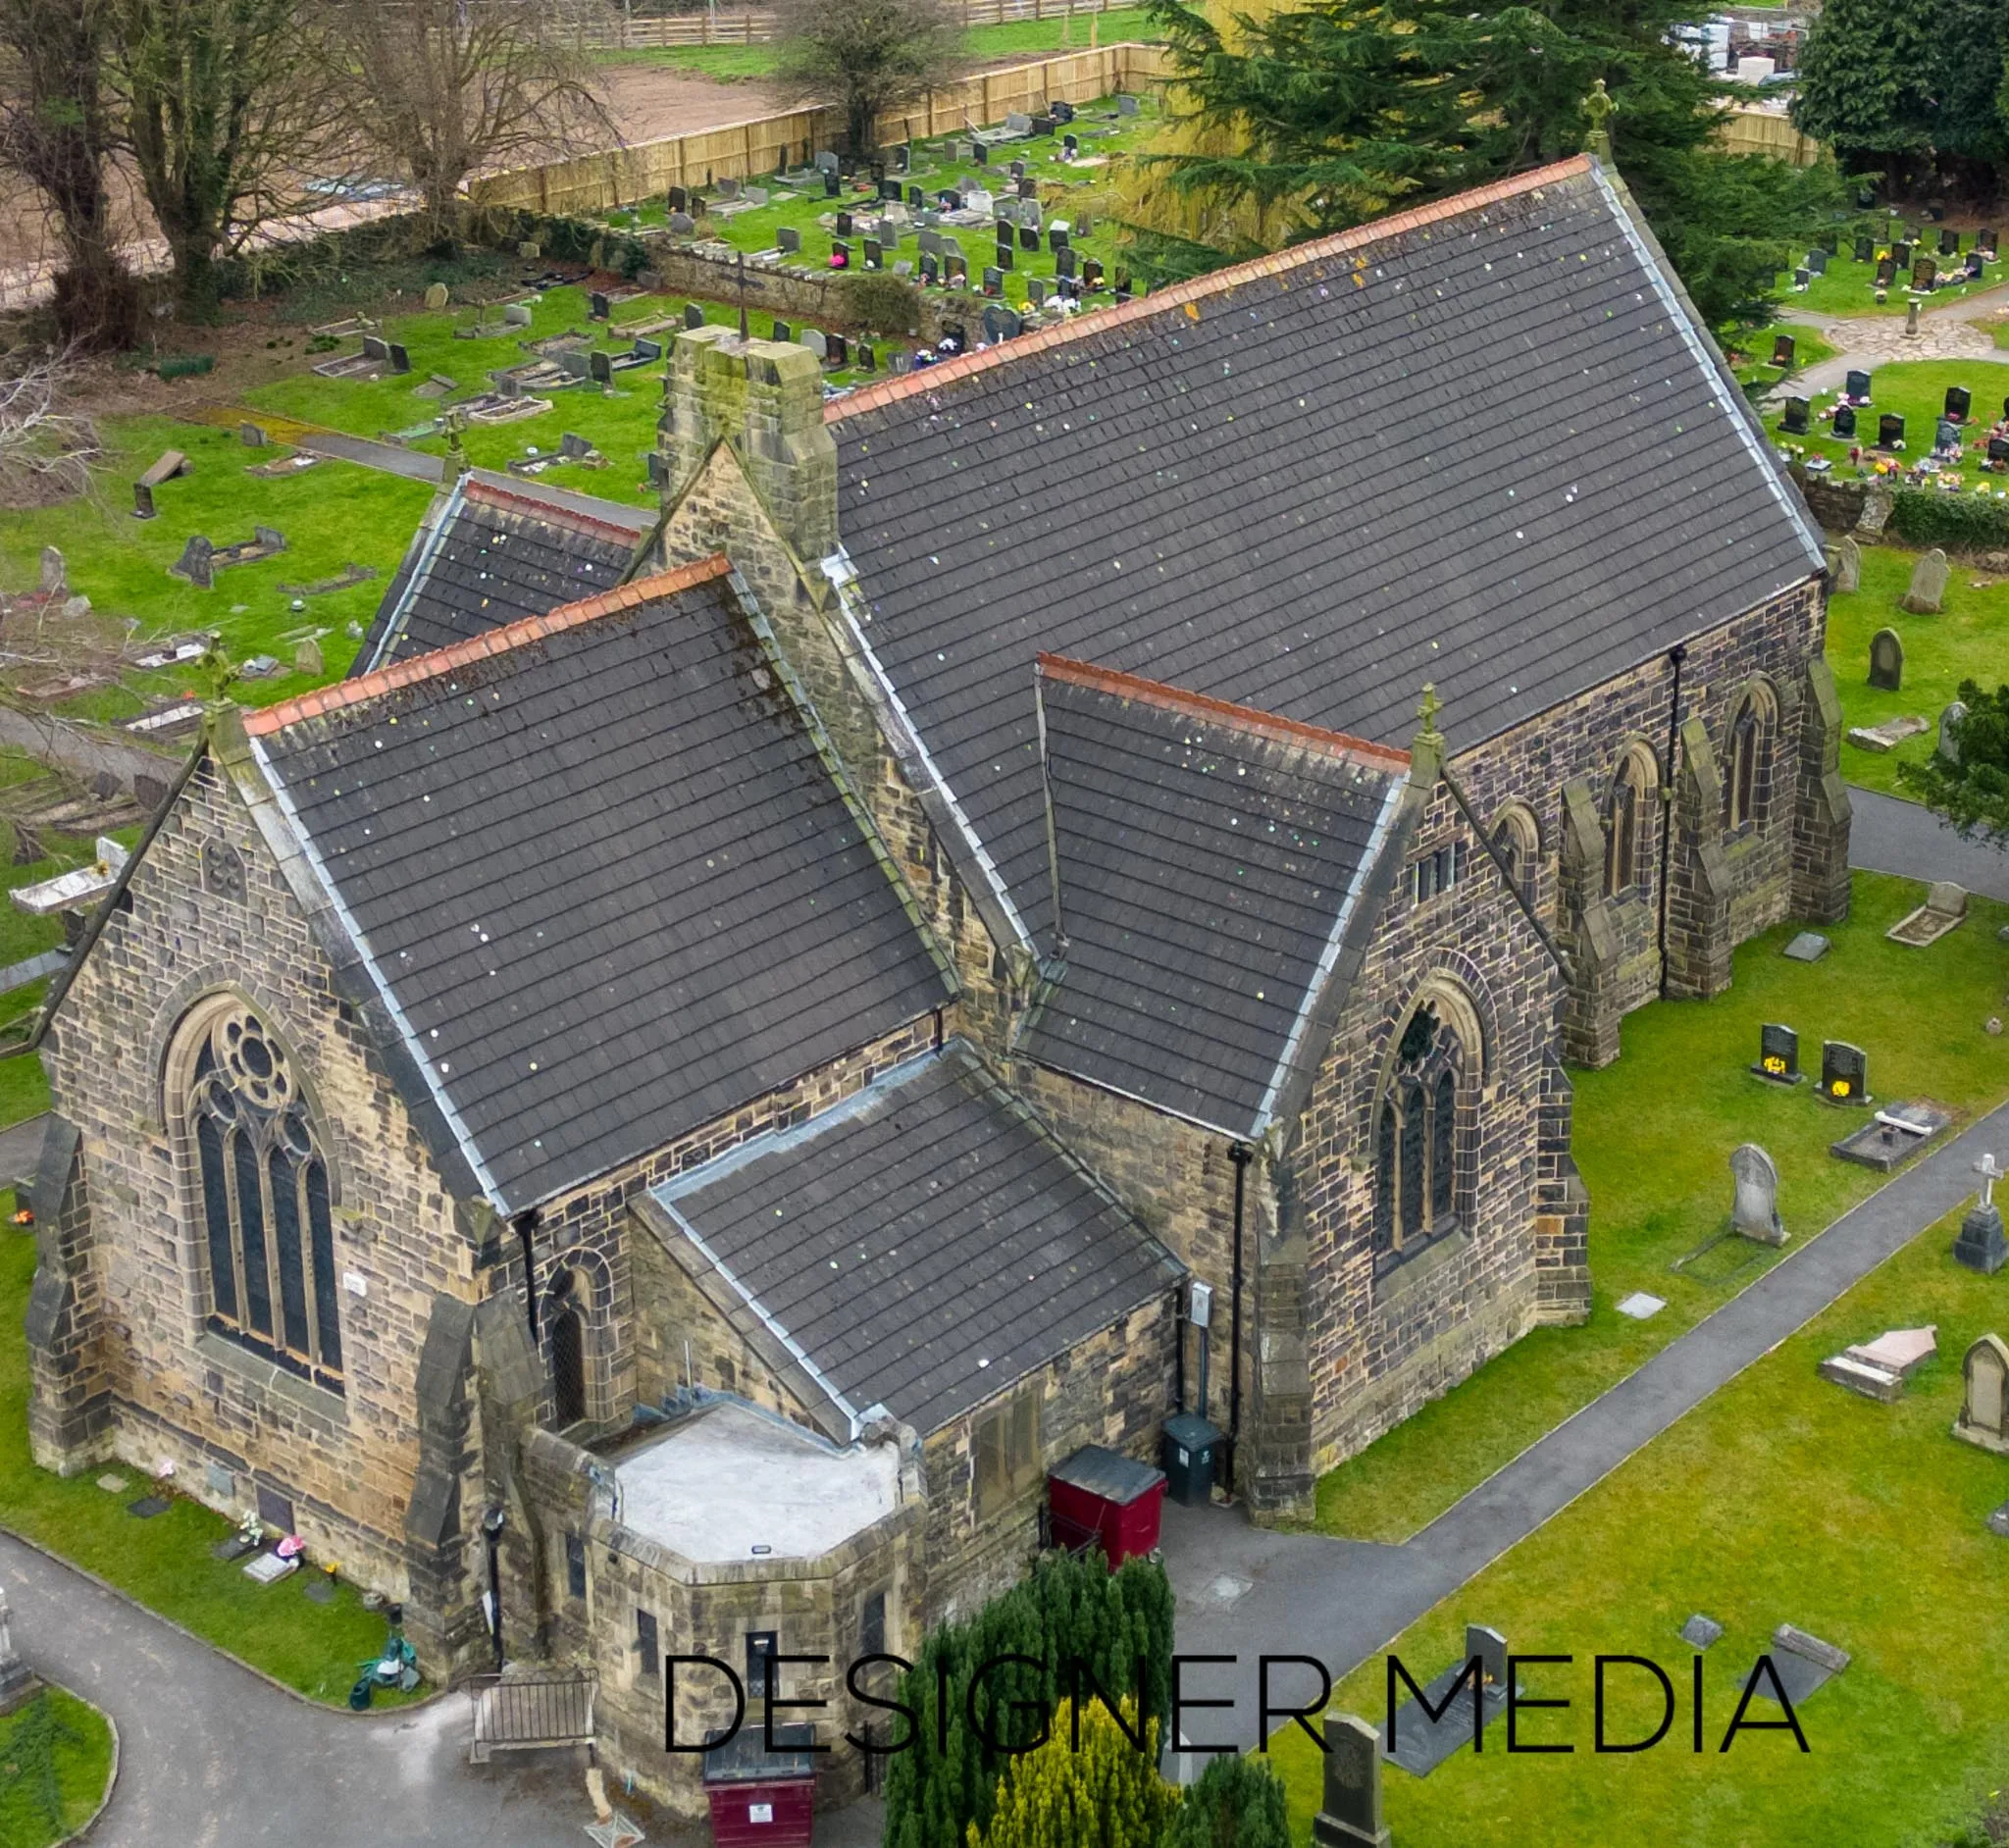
x: 724, y: 1044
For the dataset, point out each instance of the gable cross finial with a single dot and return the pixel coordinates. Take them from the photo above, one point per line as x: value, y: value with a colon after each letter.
x: 1428, y: 709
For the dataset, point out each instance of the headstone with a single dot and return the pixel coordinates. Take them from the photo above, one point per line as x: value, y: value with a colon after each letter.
x: 19, y: 1683
x: 1754, y: 1206
x: 1949, y: 241
x: 1817, y: 262
x: 53, y: 580
x: 1778, y: 1055
x: 1928, y: 589
x: 516, y: 314
x: 1982, y: 1244
x: 782, y: 331
x: 875, y: 254
x: 1029, y: 189
x: 840, y: 254
x: 1984, y: 1398
x: 1058, y: 235
x: 833, y: 188
x: 574, y: 447
x: 1065, y: 265
x: 682, y: 224
x: 598, y: 307
x: 307, y: 660
x: 1946, y: 436
x: 1028, y: 238
x: 678, y: 200
x: 1985, y: 241
x: 843, y: 224
x: 1844, y: 1073
x: 1000, y: 323
x: 1857, y: 386
x: 142, y: 501
x: 931, y: 269
x: 1070, y: 147
x: 601, y: 367
x: 1924, y: 271
x: 1126, y: 105
x: 836, y: 350
x: 1802, y: 277
x: 1794, y: 421
x: 865, y: 359
x: 1036, y: 291
x: 826, y: 162
x: 1844, y: 422
x: 1350, y: 1813
x: 375, y: 347
x: 1848, y: 564
x: 813, y: 339
x: 1949, y: 730
x: 1900, y: 253
x: 916, y: 199
x: 1866, y: 249
x: 1783, y: 346
x: 197, y: 564
x: 693, y: 315
x: 1886, y: 661
x: 658, y: 470
x: 436, y: 296
x: 251, y: 436
x: 1891, y: 431
x: 788, y: 240
x: 1887, y: 272
x: 1959, y: 401
x: 994, y: 282
x: 1092, y: 273
x: 1005, y: 259
x: 956, y: 272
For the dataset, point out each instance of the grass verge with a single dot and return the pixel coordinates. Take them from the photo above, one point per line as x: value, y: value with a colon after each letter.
x: 55, y: 1763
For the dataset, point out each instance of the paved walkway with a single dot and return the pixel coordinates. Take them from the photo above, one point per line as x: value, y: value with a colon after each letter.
x: 212, y: 1756
x: 1945, y: 332
x: 1891, y: 836
x: 1244, y: 1590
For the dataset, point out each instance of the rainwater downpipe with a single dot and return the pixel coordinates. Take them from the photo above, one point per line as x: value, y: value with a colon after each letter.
x: 1676, y: 656
x: 1239, y: 1154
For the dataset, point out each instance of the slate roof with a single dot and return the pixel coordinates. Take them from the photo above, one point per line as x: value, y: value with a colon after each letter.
x: 1207, y: 862
x: 919, y: 1247
x: 597, y: 865
x: 1479, y: 444
x: 489, y: 554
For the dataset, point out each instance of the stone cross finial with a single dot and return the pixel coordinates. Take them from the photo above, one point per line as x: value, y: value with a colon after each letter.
x: 1428, y: 709
x: 1600, y: 106
x: 1990, y: 1173
x: 219, y: 670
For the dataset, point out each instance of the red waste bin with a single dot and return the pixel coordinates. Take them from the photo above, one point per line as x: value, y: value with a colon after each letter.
x: 762, y: 1799
x: 1100, y: 1494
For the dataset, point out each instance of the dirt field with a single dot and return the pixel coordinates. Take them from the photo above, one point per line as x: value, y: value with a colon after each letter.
x: 649, y: 102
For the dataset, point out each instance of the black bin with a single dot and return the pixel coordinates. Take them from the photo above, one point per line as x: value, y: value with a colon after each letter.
x: 1192, y: 1447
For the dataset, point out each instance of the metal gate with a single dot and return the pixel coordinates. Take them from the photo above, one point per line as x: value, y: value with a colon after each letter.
x: 540, y: 1707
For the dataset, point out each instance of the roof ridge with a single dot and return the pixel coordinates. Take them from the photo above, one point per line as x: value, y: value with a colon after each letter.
x: 1143, y: 307
x: 510, y: 636
x: 492, y: 493
x: 1204, y: 706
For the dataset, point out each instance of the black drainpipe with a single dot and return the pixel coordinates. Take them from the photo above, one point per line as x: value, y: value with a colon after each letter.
x: 1676, y: 656
x: 1239, y: 1155
x: 527, y: 1230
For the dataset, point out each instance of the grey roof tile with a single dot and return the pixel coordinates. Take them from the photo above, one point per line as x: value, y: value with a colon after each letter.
x: 605, y: 875
x: 1485, y: 449
x: 924, y: 1243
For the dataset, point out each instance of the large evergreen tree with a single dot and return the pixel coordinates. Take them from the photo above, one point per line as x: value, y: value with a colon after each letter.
x: 1970, y: 789
x: 1866, y: 79
x: 1339, y: 110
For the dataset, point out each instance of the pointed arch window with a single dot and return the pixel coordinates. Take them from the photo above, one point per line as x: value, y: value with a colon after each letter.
x: 1418, y: 1194
x: 1626, y: 826
x: 1747, y: 787
x: 268, y: 1223
x: 1518, y: 842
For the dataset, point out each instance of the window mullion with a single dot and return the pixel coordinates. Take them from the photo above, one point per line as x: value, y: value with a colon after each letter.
x: 272, y: 1268
x: 229, y: 1145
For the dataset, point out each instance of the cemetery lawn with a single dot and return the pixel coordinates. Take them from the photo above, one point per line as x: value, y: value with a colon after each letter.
x: 1970, y: 641
x: 1916, y: 390
x: 1652, y: 1135
x: 1849, y: 287
x: 164, y: 1563
x: 981, y: 44
x: 1779, y: 1499
x: 1751, y: 359
x: 81, y: 1755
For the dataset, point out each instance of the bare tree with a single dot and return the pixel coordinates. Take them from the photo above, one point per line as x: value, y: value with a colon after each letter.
x: 47, y: 448
x: 228, y: 111
x: 866, y: 56
x: 448, y: 87
x: 57, y: 133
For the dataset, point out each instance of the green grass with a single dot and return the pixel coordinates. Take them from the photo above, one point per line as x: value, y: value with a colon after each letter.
x: 982, y: 42
x: 1970, y: 639
x: 1849, y: 287
x: 165, y: 1563
x: 1653, y: 1137
x: 330, y: 515
x: 1916, y: 390
x: 82, y: 1755
x: 1781, y: 1498
x: 1753, y: 355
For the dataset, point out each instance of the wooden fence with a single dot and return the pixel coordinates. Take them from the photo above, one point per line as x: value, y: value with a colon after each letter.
x: 745, y: 24
x: 746, y: 150
x: 1755, y: 130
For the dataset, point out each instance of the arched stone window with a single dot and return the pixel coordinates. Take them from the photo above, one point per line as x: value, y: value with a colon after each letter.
x: 1747, y: 780
x: 266, y: 1205
x: 1418, y: 1192
x: 565, y: 1336
x: 1628, y: 825
x: 1517, y: 840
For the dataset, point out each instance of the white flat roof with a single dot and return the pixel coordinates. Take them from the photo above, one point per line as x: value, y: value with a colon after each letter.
x: 731, y: 1484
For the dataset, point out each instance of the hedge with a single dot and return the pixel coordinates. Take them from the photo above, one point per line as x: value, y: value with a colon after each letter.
x: 1971, y: 523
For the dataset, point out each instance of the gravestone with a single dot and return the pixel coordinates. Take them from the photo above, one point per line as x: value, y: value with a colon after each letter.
x: 598, y: 307
x: 1998, y: 450
x: 1959, y: 401
x: 1866, y: 251
x: 1817, y: 262
x: 1856, y: 388
x: 693, y: 315
x: 844, y: 225
x: 875, y: 254
x: 1886, y: 661
x: 826, y: 162
x: 833, y: 188
x: 836, y: 350
x: 1778, y: 1055
x: 931, y: 269
x: 253, y: 436
x: 1891, y: 431
x: 916, y: 199
x: 1028, y: 188
x: 1350, y: 1813
x: 1700, y: 1631
x: 436, y: 296
x: 1028, y: 238
x: 780, y: 331
x: 1754, y: 1206
x: 601, y: 368
x: 1065, y: 265
x: 813, y: 339
x: 1924, y: 271
x: 956, y: 269
x: 658, y: 470
x: 1794, y: 421
x: 516, y: 314
x: 840, y: 254
x: 994, y: 282
x: 729, y: 188
x: 307, y: 660
x: 679, y: 199
x: 1092, y: 273
x: 865, y: 359
x: 574, y: 447
x: 682, y: 224
x: 1984, y: 1398
x: 54, y: 577
x: 1845, y: 424
x: 1802, y: 277
x: 197, y: 564
x: 1949, y: 241
x: 1949, y: 730
x: 1900, y: 253
x: 1127, y: 105
x: 1946, y: 436
x: 1057, y: 236
x: 1844, y: 1073
x: 788, y: 240
x: 1927, y: 591
x: 1848, y: 564
x: 142, y: 501
x: 19, y: 1683
x: 1783, y: 346
x: 1887, y: 272
x: 1982, y: 1244
x: 1036, y: 291
x: 1000, y: 323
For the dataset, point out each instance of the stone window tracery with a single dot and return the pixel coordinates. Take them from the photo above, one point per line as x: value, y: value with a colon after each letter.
x: 267, y: 1212
x: 1417, y: 1194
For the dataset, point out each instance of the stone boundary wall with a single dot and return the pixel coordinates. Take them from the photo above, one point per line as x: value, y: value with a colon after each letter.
x: 746, y: 150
